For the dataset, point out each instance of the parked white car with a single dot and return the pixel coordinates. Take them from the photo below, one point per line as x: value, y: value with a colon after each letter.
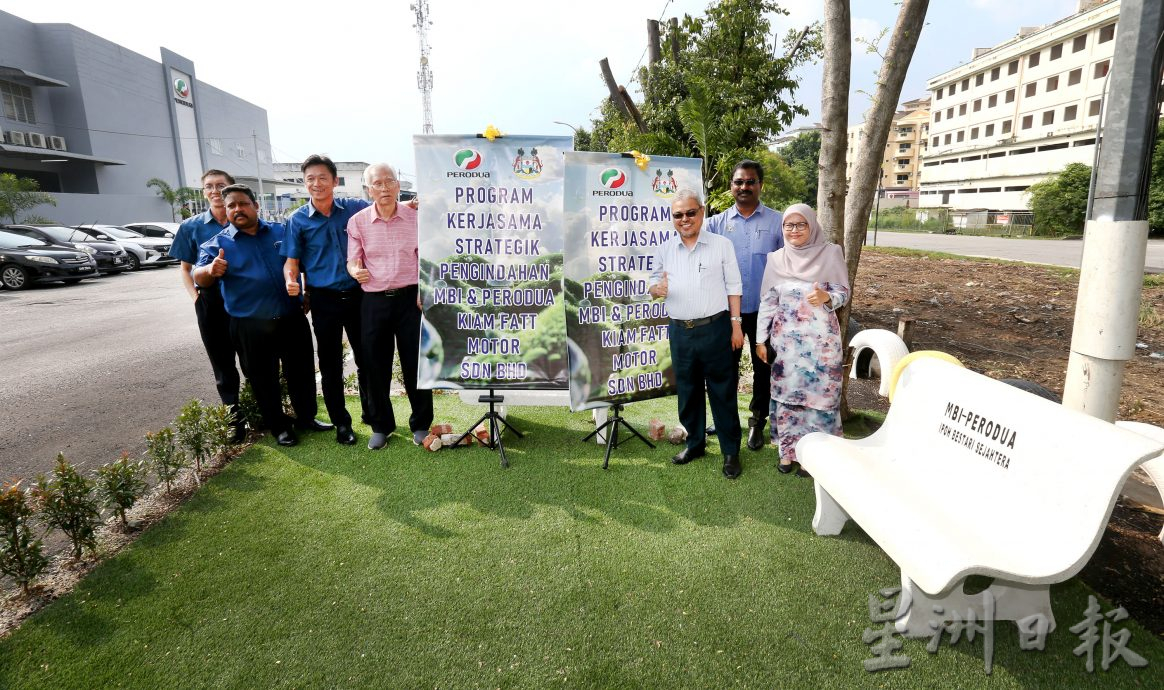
x: 165, y: 230
x: 142, y: 250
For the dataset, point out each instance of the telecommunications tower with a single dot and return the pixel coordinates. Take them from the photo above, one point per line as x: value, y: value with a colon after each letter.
x: 424, y: 74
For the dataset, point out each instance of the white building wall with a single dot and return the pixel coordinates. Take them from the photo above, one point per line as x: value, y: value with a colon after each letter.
x: 1007, y: 119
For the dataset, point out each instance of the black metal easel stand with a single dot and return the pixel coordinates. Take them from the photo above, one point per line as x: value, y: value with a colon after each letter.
x: 613, y: 420
x: 497, y: 424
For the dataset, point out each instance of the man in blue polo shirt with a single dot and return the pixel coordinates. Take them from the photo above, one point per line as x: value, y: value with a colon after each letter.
x: 267, y: 326
x: 213, y: 321
x: 754, y: 230
x: 317, y: 246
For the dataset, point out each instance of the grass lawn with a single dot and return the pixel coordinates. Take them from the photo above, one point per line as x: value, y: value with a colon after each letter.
x: 321, y: 566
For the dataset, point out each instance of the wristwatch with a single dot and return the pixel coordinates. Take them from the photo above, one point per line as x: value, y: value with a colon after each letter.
x: 738, y: 319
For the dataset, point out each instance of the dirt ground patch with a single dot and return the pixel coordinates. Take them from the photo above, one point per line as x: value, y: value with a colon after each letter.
x: 1010, y: 320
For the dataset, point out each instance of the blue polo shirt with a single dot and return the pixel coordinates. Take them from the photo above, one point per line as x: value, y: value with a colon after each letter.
x: 253, y: 285
x: 321, y: 243
x: 754, y: 238
x: 192, y: 233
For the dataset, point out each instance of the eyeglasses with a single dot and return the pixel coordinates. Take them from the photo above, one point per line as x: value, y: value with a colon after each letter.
x: 691, y: 213
x: 214, y: 187
x: 744, y: 183
x: 383, y: 184
x: 798, y: 227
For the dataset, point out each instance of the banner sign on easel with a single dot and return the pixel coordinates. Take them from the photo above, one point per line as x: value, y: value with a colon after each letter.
x: 617, y: 213
x: 490, y: 225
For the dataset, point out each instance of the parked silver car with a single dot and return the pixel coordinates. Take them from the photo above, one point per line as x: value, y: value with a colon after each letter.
x: 143, y: 251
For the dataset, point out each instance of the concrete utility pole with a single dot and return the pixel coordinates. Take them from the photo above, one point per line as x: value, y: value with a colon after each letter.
x: 258, y: 168
x: 1115, y: 238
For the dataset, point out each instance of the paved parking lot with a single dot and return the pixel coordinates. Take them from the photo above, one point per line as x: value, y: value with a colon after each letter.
x: 88, y: 369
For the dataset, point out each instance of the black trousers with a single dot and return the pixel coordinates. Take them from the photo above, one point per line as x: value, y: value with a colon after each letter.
x: 703, y: 355
x: 332, y: 313
x: 214, y: 327
x: 761, y: 373
x: 393, y: 321
x: 265, y: 344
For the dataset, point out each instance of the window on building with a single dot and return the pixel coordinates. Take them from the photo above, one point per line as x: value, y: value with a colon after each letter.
x: 215, y: 146
x: 978, y: 79
x: 946, y: 140
x: 974, y: 133
x: 937, y: 117
x: 1079, y: 43
x: 962, y: 109
x: 1056, y: 52
x: 1107, y: 33
x: 1048, y: 117
x: 995, y: 73
x: 1010, y: 96
x: 978, y: 105
x: 17, y: 102
x: 992, y: 101
x: 935, y: 142
x: 1093, y: 108
x: 1031, y: 89
x: 1069, y: 112
x: 961, y: 136
x: 1033, y: 60
x: 966, y: 84
x: 938, y: 95
x: 1006, y: 126
x: 1028, y: 121
x: 903, y: 179
x: 1052, y: 83
x: 989, y: 132
x: 1101, y: 69
x: 1074, y: 76
x: 949, y: 113
x: 341, y: 181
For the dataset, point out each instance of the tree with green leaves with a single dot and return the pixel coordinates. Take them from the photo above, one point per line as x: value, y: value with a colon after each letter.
x: 1059, y: 203
x: 165, y: 457
x: 175, y: 197
x: 67, y: 501
x: 19, y: 194
x: 191, y: 428
x: 730, y: 91
x: 1156, y: 184
x: 802, y: 155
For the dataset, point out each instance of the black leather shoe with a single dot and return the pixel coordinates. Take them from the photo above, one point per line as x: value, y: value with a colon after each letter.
x: 286, y: 438
x: 755, y: 434
x: 786, y: 469
x: 314, y: 425
x: 709, y: 430
x: 731, y: 466
x: 345, y: 436
x: 238, y: 433
x: 687, y: 455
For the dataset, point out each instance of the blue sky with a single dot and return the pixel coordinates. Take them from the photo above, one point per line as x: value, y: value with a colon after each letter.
x: 518, y: 64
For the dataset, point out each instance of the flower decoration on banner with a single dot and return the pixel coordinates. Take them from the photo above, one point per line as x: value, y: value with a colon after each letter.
x: 491, y: 133
x: 641, y: 159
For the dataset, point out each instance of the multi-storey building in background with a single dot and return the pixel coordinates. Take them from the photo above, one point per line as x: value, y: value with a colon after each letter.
x: 906, y: 144
x: 1018, y: 112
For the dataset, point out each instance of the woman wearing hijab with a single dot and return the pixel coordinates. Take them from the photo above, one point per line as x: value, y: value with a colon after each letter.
x: 804, y: 284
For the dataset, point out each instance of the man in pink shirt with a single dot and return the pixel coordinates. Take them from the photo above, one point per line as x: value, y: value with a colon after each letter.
x: 383, y: 258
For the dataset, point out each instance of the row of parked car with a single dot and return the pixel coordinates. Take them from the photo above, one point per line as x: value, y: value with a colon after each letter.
x: 47, y: 253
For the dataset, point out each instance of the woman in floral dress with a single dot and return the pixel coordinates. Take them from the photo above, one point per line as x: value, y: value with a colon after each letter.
x: 804, y: 283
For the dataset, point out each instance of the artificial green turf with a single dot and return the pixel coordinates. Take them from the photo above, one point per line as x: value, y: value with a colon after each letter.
x: 325, y: 566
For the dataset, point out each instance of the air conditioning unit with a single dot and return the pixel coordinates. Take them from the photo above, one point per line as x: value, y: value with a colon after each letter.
x: 36, y: 139
x: 57, y: 143
x: 17, y: 139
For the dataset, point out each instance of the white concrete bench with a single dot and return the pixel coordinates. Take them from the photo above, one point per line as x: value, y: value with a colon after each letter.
x: 970, y: 476
x: 1154, y: 468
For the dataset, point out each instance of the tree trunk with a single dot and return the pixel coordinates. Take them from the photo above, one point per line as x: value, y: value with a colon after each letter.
x: 612, y: 87
x: 834, y: 101
x: 870, y: 151
x: 654, y: 52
